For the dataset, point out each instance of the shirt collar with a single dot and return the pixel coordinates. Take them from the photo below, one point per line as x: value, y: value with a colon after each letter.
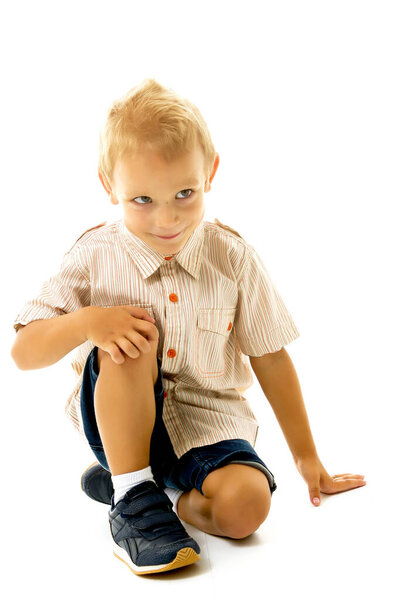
x: 149, y: 260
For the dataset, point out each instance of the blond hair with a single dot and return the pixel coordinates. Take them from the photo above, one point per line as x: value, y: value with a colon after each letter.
x: 154, y: 116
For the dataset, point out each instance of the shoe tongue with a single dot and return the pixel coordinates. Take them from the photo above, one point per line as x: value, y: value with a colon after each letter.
x: 134, y: 491
x: 139, y: 488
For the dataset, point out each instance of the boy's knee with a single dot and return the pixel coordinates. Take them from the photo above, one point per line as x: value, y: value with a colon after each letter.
x: 141, y: 363
x: 237, y: 518
x: 241, y: 498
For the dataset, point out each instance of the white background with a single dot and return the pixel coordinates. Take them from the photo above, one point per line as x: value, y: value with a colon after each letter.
x: 302, y: 101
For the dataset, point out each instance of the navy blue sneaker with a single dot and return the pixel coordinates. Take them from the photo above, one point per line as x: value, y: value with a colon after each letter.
x: 96, y: 482
x: 148, y: 535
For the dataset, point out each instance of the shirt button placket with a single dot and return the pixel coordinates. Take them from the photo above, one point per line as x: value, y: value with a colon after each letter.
x: 168, y: 268
x: 171, y: 352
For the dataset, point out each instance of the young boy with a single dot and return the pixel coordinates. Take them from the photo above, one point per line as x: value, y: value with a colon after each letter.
x: 164, y: 308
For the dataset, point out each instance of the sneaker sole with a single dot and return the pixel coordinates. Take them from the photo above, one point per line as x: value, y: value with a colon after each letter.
x: 185, y: 556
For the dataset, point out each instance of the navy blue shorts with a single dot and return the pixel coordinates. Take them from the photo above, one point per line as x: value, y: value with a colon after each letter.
x: 185, y: 473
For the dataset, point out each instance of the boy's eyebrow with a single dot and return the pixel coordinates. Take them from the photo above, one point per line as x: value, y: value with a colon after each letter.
x: 188, y: 183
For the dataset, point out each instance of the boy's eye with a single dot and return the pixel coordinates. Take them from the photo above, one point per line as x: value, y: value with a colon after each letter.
x: 186, y: 191
x: 138, y: 198
x: 182, y: 191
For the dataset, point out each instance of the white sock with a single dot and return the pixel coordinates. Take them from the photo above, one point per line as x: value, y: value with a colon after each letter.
x: 125, y: 481
x: 174, y: 496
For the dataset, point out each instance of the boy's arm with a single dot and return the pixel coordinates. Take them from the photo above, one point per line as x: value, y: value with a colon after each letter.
x: 279, y: 382
x: 43, y: 342
x: 54, y: 318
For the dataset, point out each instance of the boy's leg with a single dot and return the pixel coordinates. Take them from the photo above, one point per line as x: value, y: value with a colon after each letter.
x: 125, y: 415
x: 196, y: 509
x: 236, y: 501
x: 125, y: 409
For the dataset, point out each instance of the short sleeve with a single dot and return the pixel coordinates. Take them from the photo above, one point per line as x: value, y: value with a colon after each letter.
x: 65, y: 292
x: 262, y: 322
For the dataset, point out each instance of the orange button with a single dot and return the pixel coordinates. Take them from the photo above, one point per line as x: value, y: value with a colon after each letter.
x: 168, y: 257
x: 229, y: 326
x: 165, y: 394
x: 173, y: 297
x: 171, y: 353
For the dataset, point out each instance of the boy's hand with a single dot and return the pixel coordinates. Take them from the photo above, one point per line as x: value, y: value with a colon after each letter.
x: 318, y: 480
x: 120, y: 329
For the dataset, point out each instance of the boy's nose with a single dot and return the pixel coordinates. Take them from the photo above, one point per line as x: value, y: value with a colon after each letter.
x: 167, y: 225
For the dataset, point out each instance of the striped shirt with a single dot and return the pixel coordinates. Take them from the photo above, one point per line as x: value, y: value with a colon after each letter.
x: 214, y: 305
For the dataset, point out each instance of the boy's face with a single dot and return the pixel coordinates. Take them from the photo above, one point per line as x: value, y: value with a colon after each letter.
x: 160, y: 198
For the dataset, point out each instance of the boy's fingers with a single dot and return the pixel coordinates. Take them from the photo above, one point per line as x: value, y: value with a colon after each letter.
x: 336, y: 486
x: 140, y: 313
x: 315, y: 495
x: 115, y: 354
x: 348, y: 476
x: 128, y: 347
x: 347, y: 484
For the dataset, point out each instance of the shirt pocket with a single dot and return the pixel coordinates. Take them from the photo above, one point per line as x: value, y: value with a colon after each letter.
x: 214, y: 326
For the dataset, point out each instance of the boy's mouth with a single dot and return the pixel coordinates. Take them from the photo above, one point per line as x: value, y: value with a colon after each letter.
x: 168, y: 237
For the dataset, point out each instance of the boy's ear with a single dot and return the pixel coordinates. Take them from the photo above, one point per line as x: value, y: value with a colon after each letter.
x: 104, y: 182
x: 213, y: 171
x: 107, y: 187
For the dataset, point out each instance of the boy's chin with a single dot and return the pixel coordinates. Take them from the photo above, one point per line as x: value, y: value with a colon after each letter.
x: 171, y: 246
x: 168, y: 248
